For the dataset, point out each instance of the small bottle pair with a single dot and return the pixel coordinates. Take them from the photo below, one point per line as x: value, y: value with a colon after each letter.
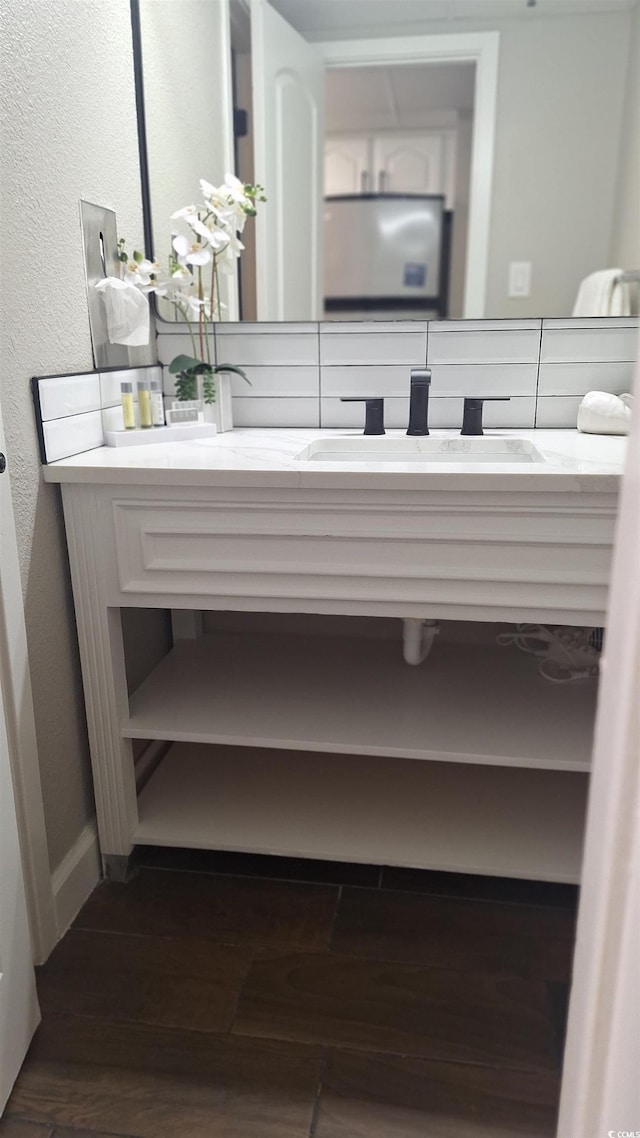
x: 150, y: 404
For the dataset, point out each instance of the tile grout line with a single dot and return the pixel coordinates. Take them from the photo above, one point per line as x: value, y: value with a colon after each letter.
x: 324, y: 1066
x: 335, y: 919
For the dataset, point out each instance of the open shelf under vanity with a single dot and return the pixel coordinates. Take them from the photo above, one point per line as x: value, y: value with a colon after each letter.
x: 332, y: 747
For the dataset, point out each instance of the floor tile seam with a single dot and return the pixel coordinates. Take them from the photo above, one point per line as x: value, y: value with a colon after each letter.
x: 406, y: 892
x: 274, y: 952
x: 240, y: 992
x: 334, y: 922
x: 315, y: 1113
x: 473, y: 971
x: 75, y: 928
x: 494, y: 1065
x: 251, y: 877
x: 46, y: 1127
x: 253, y: 946
x: 124, y: 1021
x: 469, y: 900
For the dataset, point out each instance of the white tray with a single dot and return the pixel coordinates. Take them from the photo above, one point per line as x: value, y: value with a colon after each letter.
x: 180, y: 432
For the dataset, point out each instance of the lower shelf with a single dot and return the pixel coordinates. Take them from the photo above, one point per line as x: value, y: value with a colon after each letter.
x: 457, y: 817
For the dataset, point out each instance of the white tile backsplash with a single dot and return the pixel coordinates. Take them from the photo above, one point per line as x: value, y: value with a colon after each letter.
x: 266, y: 328
x: 277, y: 381
x: 277, y: 412
x: 62, y: 395
x: 372, y: 327
x: 577, y: 379
x: 491, y: 347
x: 268, y: 348
x: 510, y: 325
x: 483, y: 379
x: 365, y: 380
x: 72, y: 435
x: 359, y: 358
x: 588, y: 345
x: 558, y: 411
x: 409, y: 348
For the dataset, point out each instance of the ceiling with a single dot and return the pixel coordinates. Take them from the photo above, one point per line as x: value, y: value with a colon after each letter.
x: 392, y: 98
x: 331, y: 19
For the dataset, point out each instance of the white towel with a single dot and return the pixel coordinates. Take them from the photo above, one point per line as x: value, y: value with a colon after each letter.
x: 603, y: 294
x: 602, y: 413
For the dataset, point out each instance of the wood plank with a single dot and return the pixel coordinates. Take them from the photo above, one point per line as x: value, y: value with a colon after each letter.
x: 172, y: 981
x: 356, y: 696
x: 473, y: 819
x: 481, y: 936
x: 17, y: 1128
x: 151, y: 1082
x: 379, y: 1096
x: 228, y: 910
x: 398, y: 1008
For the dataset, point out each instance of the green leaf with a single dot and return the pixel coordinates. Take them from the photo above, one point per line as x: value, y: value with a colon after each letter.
x: 138, y: 256
x: 235, y: 370
x: 184, y: 363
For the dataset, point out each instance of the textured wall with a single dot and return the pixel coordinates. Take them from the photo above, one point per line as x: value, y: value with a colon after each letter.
x: 68, y: 131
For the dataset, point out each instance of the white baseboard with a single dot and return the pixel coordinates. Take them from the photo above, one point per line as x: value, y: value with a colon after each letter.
x: 76, y: 877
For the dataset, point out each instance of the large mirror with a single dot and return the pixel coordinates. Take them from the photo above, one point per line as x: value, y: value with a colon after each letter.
x: 454, y: 158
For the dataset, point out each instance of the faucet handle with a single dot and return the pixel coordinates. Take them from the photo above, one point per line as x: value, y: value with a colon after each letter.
x: 472, y: 414
x: 420, y: 376
x: 373, y: 412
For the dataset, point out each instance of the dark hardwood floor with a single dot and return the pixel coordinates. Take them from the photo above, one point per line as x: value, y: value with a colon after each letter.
x: 227, y: 996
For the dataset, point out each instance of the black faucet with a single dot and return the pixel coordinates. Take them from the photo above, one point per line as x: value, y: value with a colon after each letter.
x: 373, y: 414
x: 419, y: 401
x: 472, y: 414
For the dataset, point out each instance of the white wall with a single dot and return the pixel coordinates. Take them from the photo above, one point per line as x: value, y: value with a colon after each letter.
x: 560, y: 98
x: 625, y: 245
x: 68, y: 131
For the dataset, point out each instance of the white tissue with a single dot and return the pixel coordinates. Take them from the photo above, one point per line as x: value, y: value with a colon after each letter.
x: 601, y: 413
x: 127, y: 312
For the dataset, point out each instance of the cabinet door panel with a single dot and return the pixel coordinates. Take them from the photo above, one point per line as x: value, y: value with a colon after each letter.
x: 409, y: 164
x: 346, y: 166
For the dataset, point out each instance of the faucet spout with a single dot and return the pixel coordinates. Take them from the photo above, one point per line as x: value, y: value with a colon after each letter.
x: 419, y: 401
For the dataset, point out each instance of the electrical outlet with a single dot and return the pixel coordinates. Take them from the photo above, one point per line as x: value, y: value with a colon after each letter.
x: 520, y: 278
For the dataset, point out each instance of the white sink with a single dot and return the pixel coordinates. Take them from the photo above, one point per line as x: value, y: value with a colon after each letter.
x: 383, y: 448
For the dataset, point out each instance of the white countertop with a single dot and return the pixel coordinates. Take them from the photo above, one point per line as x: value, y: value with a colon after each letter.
x: 268, y: 457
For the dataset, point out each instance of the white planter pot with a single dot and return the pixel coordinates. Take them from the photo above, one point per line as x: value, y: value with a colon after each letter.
x: 220, y: 412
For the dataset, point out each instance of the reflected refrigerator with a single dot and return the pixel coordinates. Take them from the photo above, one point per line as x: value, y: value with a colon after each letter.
x: 385, y: 255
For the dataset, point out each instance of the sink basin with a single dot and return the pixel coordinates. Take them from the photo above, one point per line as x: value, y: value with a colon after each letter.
x: 427, y: 450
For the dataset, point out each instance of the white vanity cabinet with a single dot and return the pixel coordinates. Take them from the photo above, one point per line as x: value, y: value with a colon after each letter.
x: 333, y: 747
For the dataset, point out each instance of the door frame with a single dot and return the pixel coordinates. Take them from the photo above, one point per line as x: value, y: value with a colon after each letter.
x: 599, y: 1080
x: 481, y: 48
x: 17, y: 698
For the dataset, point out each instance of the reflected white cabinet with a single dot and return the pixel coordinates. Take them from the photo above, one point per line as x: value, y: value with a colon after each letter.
x: 400, y: 163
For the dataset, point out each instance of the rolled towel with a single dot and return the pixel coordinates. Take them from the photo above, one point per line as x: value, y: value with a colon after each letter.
x: 601, y: 413
x: 603, y: 294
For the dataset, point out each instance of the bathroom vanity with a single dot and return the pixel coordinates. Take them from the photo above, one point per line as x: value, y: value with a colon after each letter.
x: 332, y: 746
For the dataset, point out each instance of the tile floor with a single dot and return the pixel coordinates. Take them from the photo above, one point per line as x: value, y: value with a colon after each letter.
x: 228, y: 996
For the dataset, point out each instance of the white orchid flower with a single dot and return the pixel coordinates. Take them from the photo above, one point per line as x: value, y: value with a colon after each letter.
x: 187, y: 212
x: 140, y: 273
x: 226, y: 260
x: 235, y: 189
x: 190, y: 253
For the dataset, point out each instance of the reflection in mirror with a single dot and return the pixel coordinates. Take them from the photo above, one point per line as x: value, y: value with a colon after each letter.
x: 399, y: 186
